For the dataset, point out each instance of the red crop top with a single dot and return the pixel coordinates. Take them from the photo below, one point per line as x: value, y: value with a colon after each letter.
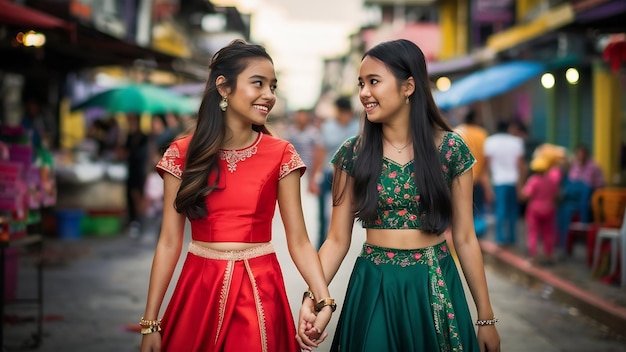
x: 242, y: 206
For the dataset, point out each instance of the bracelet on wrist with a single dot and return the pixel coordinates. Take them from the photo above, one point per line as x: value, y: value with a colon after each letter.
x: 148, y: 323
x: 150, y: 329
x: 325, y: 302
x: 492, y: 321
x: 308, y: 294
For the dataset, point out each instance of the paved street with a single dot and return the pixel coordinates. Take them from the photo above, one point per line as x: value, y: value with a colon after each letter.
x: 96, y: 287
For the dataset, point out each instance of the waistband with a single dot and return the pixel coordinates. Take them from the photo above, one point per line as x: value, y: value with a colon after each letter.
x: 404, y: 257
x: 204, y: 252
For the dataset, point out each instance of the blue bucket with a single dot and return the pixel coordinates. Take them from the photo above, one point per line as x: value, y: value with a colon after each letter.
x: 68, y: 223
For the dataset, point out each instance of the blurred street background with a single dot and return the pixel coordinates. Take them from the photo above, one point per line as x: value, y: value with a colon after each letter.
x: 91, y: 91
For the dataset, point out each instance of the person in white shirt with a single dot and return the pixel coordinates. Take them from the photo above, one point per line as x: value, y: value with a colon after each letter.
x: 504, y: 155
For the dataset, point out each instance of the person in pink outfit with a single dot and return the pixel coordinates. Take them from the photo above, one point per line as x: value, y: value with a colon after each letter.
x: 541, y: 191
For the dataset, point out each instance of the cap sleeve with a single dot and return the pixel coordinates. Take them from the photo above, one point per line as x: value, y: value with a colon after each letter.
x: 173, y: 160
x: 291, y: 161
x: 456, y: 158
x: 345, y: 156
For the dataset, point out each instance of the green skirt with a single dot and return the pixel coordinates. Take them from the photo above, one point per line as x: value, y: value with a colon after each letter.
x: 405, y: 301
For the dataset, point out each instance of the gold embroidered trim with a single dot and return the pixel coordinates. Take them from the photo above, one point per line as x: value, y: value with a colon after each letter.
x: 259, y: 306
x: 295, y: 162
x: 228, y: 274
x: 168, y: 162
x: 263, y: 249
x: 233, y: 156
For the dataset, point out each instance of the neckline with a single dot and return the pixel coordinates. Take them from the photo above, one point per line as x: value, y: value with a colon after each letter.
x: 397, y: 163
x: 254, y: 143
x: 439, y: 148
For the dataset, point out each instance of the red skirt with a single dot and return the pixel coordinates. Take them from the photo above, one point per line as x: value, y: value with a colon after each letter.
x: 229, y: 301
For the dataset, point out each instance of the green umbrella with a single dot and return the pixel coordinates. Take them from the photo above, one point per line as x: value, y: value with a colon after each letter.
x: 139, y: 98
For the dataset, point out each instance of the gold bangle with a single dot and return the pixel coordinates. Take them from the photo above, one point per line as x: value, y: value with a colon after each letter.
x: 492, y: 321
x: 147, y: 323
x: 150, y: 329
x: 325, y: 302
x: 308, y: 294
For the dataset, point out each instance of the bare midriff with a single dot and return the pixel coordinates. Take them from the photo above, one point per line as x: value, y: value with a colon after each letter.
x: 227, y: 246
x: 402, y: 238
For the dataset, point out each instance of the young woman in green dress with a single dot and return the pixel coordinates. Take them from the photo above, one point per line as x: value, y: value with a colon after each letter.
x: 405, y: 179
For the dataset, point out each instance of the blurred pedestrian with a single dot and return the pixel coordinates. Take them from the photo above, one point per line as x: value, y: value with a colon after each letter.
x: 518, y: 128
x: 113, y: 139
x: 153, y: 196
x: 333, y: 132
x: 160, y: 135
x: 405, y: 178
x: 226, y: 178
x: 541, y: 192
x: 585, y: 169
x: 475, y: 135
x: 38, y: 122
x: 174, y: 125
x: 584, y: 176
x: 303, y: 135
x: 136, y: 154
x: 504, y: 156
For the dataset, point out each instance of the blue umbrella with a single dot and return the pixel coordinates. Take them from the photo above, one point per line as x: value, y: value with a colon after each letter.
x: 487, y: 83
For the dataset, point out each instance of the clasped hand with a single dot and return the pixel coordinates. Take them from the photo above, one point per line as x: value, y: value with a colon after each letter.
x: 311, y: 325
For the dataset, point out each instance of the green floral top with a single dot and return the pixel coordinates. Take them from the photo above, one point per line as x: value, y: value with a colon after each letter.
x: 398, y: 198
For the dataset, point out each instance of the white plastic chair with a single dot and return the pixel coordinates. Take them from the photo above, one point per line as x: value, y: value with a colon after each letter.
x: 615, y: 236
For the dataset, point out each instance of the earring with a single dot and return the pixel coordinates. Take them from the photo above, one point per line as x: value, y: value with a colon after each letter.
x: 224, y: 104
x: 407, y: 101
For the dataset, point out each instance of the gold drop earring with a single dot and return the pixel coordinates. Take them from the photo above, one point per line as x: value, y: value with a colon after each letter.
x: 407, y: 101
x: 224, y: 104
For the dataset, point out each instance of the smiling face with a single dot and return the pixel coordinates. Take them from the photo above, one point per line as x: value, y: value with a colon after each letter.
x: 254, y: 95
x: 382, y: 96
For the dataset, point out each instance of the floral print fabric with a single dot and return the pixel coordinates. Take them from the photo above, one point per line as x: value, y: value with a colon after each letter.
x: 398, y: 198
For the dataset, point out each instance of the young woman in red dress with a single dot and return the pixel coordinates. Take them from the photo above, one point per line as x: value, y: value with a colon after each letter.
x: 226, y: 177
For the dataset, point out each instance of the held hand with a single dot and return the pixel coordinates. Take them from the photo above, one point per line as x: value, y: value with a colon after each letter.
x: 316, y: 333
x: 488, y: 339
x: 306, y: 317
x: 151, y: 342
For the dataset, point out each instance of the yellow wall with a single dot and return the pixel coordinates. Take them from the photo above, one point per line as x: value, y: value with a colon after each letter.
x: 525, y: 6
x: 449, y: 33
x: 607, y: 117
x: 72, y: 126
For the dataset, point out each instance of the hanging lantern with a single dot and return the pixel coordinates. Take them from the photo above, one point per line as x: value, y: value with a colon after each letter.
x: 615, y: 52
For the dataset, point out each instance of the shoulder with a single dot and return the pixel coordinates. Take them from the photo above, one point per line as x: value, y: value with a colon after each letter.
x: 178, y: 148
x: 269, y: 141
x: 451, y: 139
x: 346, y: 154
x: 285, y: 153
x: 350, y: 143
x: 456, y: 157
x: 272, y: 145
x: 182, y: 142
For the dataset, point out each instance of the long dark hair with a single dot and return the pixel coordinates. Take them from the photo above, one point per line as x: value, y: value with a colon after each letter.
x: 405, y: 59
x: 210, y: 130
